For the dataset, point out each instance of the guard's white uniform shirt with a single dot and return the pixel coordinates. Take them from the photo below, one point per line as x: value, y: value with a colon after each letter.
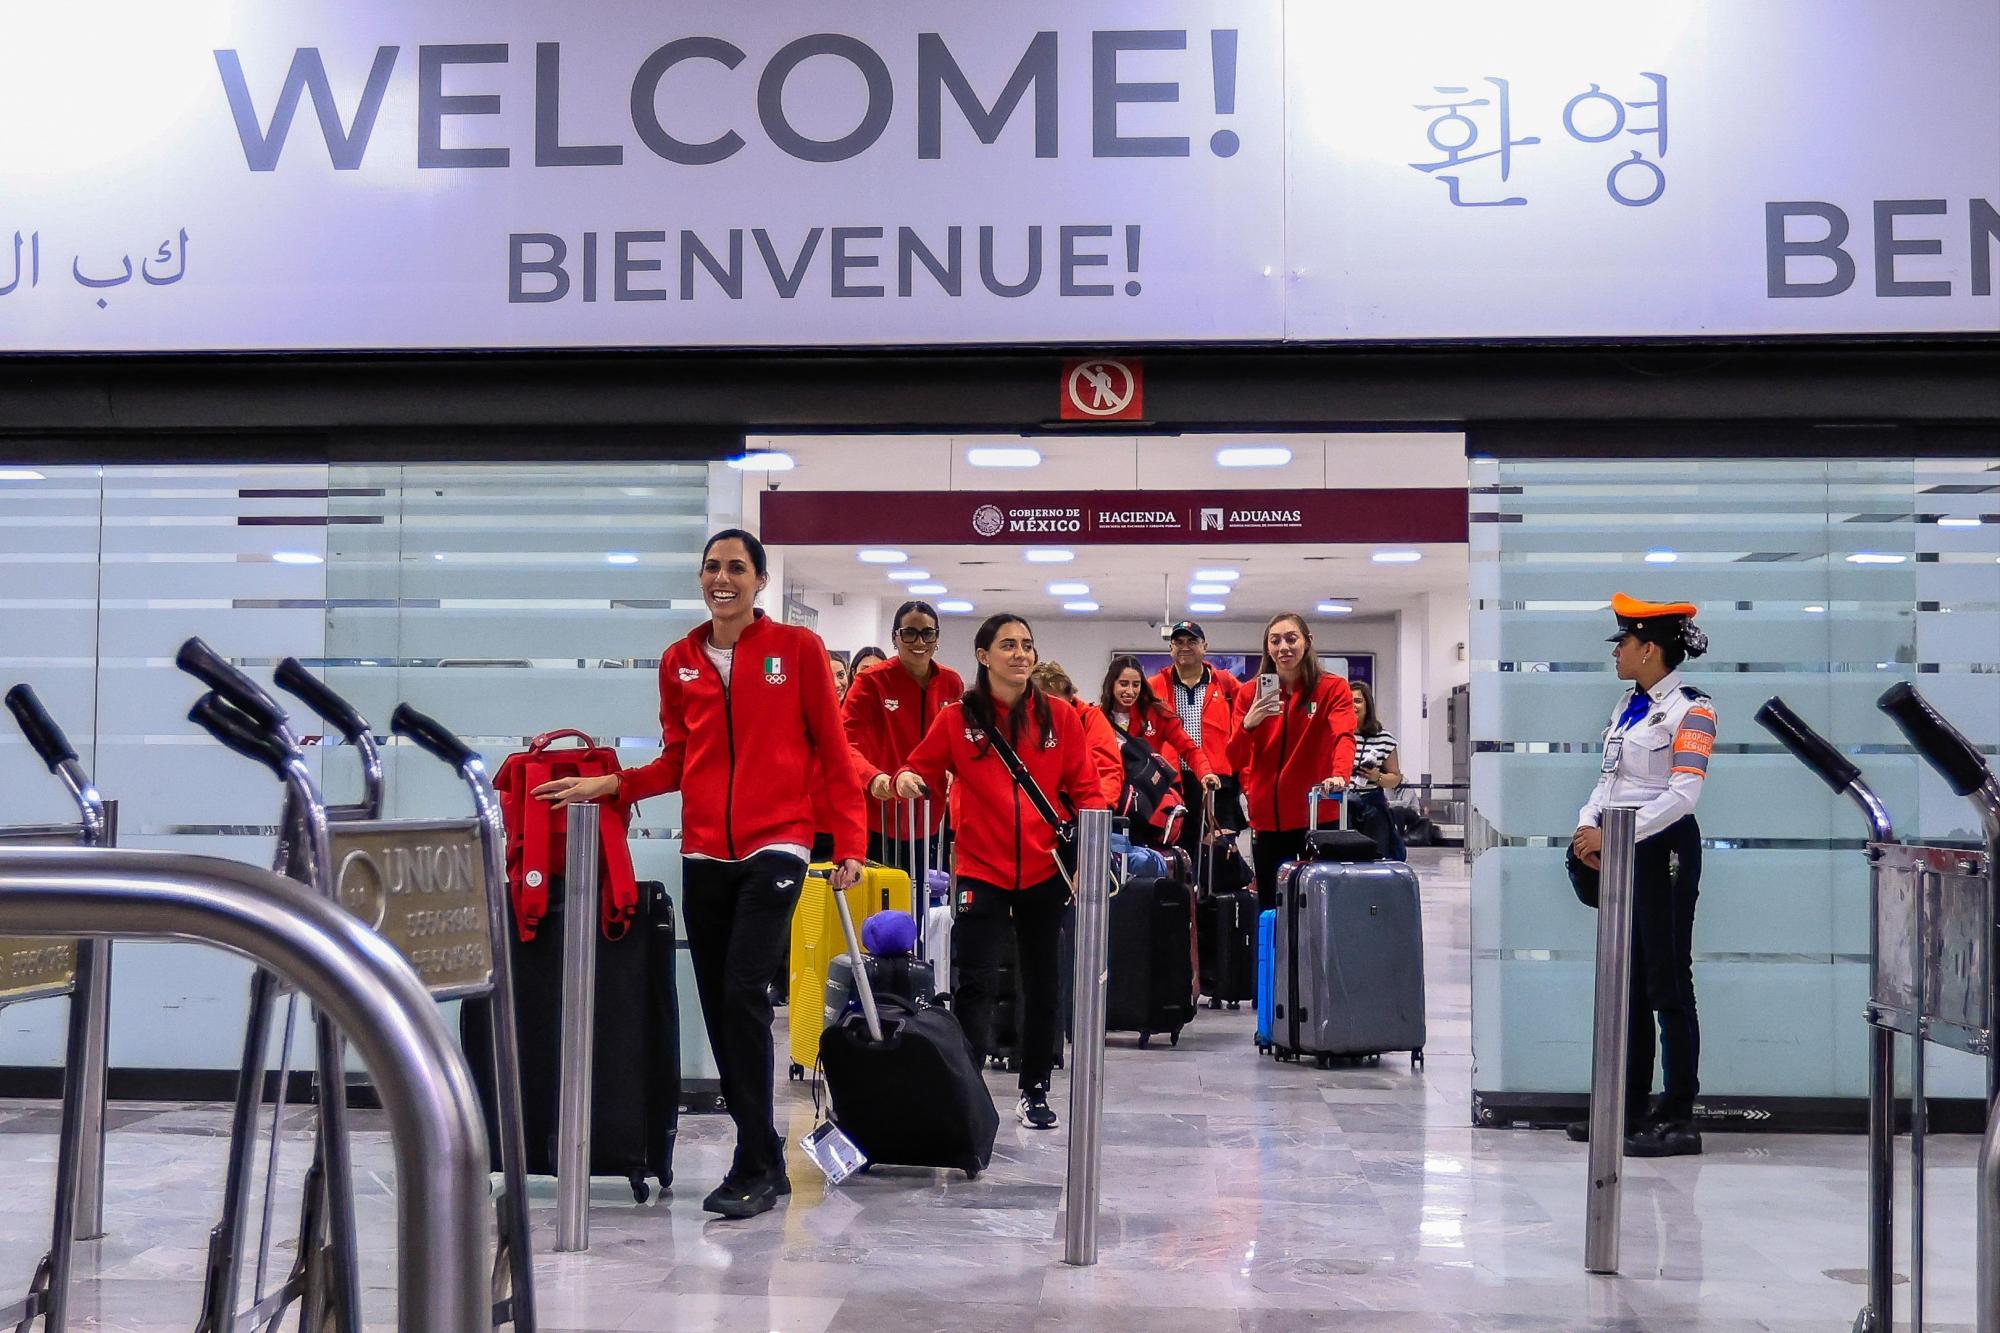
x: 1656, y: 761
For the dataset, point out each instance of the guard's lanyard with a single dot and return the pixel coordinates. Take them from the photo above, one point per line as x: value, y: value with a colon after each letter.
x: 1614, y: 744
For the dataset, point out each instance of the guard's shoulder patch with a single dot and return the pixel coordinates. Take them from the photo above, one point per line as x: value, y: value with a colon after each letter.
x: 1692, y: 693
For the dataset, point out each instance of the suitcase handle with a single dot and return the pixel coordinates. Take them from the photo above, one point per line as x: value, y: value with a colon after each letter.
x: 1312, y: 808
x: 863, y: 987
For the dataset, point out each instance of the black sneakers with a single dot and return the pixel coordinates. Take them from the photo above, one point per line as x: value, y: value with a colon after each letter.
x: 737, y: 1199
x: 1670, y: 1138
x: 1034, y: 1111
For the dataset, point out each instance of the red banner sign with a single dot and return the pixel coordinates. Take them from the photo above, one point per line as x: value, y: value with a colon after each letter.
x: 1102, y: 518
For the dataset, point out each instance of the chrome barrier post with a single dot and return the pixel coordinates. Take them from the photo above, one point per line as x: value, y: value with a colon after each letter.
x: 1612, y: 1014
x: 1086, y: 1082
x: 578, y: 1030
x: 426, y: 1090
x: 96, y: 1000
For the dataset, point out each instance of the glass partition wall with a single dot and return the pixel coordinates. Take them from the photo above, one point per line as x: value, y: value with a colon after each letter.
x: 504, y: 599
x: 1824, y: 581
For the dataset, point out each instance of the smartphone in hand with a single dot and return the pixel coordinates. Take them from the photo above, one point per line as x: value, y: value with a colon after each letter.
x: 1267, y: 685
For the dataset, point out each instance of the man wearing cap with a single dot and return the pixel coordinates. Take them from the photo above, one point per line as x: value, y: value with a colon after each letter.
x: 1204, y: 697
x: 1656, y: 754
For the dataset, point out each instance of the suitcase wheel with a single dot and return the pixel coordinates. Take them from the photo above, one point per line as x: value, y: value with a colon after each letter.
x: 972, y: 1173
x: 1174, y: 1038
x: 1214, y: 1003
x: 1416, y: 1057
x: 798, y: 1072
x: 640, y: 1190
x: 1145, y: 1039
x: 1234, y: 1005
x: 1324, y: 1062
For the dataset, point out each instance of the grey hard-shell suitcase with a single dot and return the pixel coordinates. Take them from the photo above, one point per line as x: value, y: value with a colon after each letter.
x: 1349, y: 959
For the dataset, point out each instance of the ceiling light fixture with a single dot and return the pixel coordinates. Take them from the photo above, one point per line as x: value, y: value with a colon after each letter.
x: 1047, y: 555
x: 763, y: 460
x: 1018, y: 456
x: 620, y: 558
x: 20, y: 474
x: 1335, y: 609
x: 298, y: 558
x: 910, y: 575
x: 1264, y: 455
x: 1079, y: 606
x: 1397, y: 557
x: 1960, y: 521
x: 1069, y: 590
x: 1208, y: 590
x: 1875, y: 558
x: 883, y: 556
x: 1662, y: 557
x: 927, y: 589
x: 1217, y: 575
x: 955, y: 608
x: 1815, y: 610
x: 1207, y: 608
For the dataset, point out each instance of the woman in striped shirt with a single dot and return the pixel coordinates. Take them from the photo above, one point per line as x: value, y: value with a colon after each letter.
x: 1375, y: 774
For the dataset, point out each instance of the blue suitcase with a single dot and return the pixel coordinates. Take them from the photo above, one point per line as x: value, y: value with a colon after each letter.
x: 1267, y: 972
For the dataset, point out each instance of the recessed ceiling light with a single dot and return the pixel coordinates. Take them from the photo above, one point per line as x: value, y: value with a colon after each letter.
x: 1079, y: 606
x: 1208, y: 590
x: 1069, y: 590
x: 1260, y: 455
x: 298, y: 558
x: 1018, y: 456
x: 620, y: 558
x: 926, y: 589
x: 955, y: 608
x: 1949, y: 521
x: 1662, y: 557
x: 1335, y: 609
x: 1397, y: 557
x: 20, y: 474
x: 1217, y: 575
x: 909, y: 575
x: 1047, y: 555
x: 1875, y: 558
x: 883, y: 556
x: 1207, y: 608
x: 763, y: 460
x: 1815, y: 610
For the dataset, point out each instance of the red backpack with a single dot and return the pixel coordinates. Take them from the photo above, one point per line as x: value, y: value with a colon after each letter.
x: 538, y: 834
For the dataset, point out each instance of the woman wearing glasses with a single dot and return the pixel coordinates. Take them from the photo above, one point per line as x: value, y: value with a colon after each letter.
x: 888, y: 709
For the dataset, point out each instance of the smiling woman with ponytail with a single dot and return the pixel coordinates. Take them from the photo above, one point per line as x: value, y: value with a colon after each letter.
x: 1008, y: 873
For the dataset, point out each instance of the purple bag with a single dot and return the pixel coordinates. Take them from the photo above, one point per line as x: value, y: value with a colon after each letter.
x: 940, y: 887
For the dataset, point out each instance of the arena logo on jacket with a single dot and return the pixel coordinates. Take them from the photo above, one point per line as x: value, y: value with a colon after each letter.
x: 892, y: 704
x: 774, y: 671
x: 974, y: 735
x: 690, y: 673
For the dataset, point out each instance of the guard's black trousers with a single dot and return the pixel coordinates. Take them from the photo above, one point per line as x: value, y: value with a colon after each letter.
x: 1666, y: 879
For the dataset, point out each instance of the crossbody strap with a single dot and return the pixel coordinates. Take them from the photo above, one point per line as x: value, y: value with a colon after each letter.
x: 1064, y: 830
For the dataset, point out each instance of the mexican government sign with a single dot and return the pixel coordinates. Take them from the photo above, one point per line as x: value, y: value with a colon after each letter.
x: 224, y: 174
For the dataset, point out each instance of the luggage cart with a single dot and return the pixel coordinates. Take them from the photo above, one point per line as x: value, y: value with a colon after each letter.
x: 324, y: 1277
x: 1934, y: 926
x: 43, y: 968
x: 435, y: 891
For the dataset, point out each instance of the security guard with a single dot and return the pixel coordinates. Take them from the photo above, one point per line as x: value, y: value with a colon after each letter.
x: 1656, y: 754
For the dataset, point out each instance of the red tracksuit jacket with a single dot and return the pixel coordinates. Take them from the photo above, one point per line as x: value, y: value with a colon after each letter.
x: 747, y: 757
x: 1310, y: 741
x: 887, y: 714
x: 1002, y: 839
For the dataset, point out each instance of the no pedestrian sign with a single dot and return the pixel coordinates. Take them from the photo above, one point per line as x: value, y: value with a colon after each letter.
x: 1103, y: 389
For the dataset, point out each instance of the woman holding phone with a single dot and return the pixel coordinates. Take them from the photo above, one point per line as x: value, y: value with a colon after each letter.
x: 1294, y: 733
x: 751, y: 738
x: 1009, y: 877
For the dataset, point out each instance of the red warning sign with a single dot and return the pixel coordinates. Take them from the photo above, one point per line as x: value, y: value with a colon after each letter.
x: 1103, y: 389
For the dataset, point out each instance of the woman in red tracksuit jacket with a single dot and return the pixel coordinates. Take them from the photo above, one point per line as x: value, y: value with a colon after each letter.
x: 1006, y: 851
x: 748, y: 717
x: 888, y: 709
x: 1127, y: 703
x: 1288, y: 742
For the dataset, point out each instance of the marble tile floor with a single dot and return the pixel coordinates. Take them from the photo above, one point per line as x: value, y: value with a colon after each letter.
x: 1240, y: 1196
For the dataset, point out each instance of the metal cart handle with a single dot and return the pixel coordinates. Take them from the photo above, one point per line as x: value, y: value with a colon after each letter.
x: 315, y: 694
x: 431, y: 735
x: 1937, y: 740
x: 241, y: 733
x: 207, y: 666
x: 1807, y: 746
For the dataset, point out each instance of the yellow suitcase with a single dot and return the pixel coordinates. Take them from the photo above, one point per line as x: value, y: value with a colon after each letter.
x: 817, y: 940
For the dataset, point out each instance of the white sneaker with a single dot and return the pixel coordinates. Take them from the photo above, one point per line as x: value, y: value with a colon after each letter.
x: 1034, y: 1111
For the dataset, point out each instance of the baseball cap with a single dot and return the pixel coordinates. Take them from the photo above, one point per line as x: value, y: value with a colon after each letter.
x: 1189, y: 628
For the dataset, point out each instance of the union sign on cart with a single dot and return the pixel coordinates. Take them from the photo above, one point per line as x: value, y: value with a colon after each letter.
x: 1103, y: 389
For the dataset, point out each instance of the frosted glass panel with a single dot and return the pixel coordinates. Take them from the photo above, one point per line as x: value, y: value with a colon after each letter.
x: 1768, y: 549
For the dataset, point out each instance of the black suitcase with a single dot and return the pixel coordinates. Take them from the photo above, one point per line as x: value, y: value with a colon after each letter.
x: 1150, y: 986
x: 636, y: 1066
x: 1226, y: 929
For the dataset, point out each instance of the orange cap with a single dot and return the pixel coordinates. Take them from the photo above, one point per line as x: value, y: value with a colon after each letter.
x: 1631, y: 608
